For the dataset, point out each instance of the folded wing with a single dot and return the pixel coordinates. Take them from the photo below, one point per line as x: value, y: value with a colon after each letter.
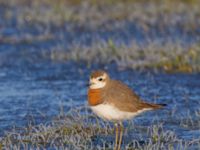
x: 122, y: 97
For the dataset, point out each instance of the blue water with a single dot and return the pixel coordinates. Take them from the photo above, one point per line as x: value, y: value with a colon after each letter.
x: 39, y: 90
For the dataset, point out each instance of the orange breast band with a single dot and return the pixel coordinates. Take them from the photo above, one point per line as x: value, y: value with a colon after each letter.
x: 94, y: 97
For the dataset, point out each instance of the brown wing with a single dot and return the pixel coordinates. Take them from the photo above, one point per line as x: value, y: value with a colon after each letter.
x: 124, y: 98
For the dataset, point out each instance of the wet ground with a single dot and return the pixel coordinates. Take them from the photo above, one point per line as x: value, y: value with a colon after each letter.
x: 34, y: 88
x: 36, y: 93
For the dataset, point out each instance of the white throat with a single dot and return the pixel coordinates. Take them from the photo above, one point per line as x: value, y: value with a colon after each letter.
x: 97, y: 85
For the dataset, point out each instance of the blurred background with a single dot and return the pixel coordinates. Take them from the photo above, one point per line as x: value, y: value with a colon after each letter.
x: 48, y: 49
x: 134, y: 34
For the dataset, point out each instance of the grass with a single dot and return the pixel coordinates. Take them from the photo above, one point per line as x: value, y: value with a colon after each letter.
x: 94, y: 14
x: 109, y: 15
x: 77, y: 131
x: 169, y: 57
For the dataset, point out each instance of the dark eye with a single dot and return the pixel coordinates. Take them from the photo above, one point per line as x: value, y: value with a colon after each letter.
x: 100, y: 79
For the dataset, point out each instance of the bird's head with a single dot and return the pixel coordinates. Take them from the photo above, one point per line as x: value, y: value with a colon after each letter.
x: 98, y: 79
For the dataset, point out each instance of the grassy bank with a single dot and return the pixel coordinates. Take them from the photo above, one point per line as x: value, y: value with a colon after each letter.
x: 112, y: 15
x: 169, y: 57
x: 94, y: 14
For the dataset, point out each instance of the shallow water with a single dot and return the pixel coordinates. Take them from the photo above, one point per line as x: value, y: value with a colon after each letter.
x: 37, y: 92
x: 34, y: 88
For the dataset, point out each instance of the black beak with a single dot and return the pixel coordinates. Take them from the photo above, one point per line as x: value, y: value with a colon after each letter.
x: 88, y: 84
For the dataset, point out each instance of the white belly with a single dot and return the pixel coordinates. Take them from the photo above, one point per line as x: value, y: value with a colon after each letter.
x: 109, y: 112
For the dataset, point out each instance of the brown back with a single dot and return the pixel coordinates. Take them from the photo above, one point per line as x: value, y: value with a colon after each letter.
x: 121, y: 96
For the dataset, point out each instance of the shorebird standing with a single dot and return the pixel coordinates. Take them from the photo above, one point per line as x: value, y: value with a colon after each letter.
x: 114, y: 101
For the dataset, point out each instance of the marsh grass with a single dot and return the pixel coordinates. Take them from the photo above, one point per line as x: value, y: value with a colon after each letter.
x: 169, y: 57
x: 79, y: 129
x: 94, y: 14
x: 106, y: 16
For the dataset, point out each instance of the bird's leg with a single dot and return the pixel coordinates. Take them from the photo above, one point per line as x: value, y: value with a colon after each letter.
x: 120, y: 134
x: 116, y: 135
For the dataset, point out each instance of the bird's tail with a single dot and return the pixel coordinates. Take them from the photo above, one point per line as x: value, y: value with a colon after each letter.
x: 155, y: 106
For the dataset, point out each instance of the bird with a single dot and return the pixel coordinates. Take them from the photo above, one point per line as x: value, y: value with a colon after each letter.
x: 114, y: 101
